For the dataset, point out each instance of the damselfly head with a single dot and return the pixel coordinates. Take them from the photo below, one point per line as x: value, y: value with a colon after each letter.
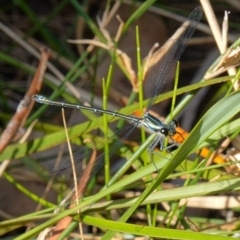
x: 172, y: 127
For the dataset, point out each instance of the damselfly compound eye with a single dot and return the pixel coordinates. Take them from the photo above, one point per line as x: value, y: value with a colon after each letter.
x: 164, y: 131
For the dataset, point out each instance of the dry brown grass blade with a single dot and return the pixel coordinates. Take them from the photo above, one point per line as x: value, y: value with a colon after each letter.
x: 109, y: 46
x: 25, y: 106
x: 65, y: 222
x: 212, y: 20
x: 123, y: 57
x: 66, y: 63
x: 229, y: 60
x: 155, y: 58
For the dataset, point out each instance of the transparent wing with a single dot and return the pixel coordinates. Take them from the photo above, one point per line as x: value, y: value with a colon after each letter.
x: 163, y: 61
x: 86, y: 152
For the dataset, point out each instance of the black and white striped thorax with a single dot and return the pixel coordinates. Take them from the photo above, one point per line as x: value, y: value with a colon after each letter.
x: 155, y: 125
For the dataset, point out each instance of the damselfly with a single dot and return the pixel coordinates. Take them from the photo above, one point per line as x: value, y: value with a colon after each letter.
x: 154, y: 80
